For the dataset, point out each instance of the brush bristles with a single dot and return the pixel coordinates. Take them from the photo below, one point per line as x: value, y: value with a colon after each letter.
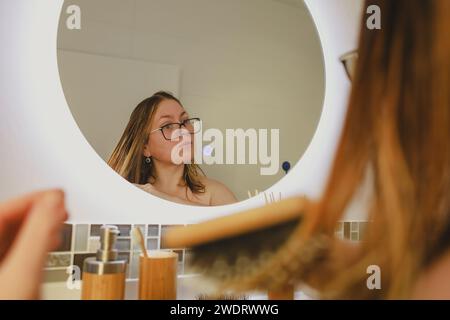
x: 231, y: 259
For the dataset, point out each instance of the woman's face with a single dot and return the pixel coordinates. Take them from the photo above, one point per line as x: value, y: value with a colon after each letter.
x: 180, y: 148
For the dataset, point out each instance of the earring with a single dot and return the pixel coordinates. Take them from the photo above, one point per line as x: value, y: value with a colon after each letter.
x: 148, y: 160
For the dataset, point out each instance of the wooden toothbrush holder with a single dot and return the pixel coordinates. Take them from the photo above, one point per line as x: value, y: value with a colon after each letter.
x: 158, y: 276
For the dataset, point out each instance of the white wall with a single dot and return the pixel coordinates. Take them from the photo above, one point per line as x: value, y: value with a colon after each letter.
x: 102, y: 90
x: 243, y: 64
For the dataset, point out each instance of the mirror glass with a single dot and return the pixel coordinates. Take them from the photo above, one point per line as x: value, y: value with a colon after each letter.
x: 201, y: 102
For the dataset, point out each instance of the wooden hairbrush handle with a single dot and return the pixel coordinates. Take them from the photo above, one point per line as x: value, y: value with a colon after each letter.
x: 235, y: 224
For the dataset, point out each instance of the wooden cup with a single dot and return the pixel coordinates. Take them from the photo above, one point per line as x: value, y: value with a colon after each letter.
x: 158, y: 276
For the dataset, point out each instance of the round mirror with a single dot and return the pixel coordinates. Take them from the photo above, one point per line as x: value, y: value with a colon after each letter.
x: 202, y: 102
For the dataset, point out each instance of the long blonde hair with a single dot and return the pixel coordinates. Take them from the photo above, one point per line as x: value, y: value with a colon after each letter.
x: 398, y: 124
x: 127, y: 158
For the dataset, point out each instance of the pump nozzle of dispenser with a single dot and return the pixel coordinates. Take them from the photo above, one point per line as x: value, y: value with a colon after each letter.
x: 108, y: 238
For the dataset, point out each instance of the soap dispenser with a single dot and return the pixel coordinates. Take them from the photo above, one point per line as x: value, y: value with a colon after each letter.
x: 104, y: 275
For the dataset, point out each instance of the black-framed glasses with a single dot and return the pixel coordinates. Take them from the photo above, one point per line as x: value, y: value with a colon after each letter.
x: 172, y: 131
x: 349, y: 60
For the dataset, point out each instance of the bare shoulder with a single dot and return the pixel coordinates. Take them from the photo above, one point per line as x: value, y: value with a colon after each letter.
x: 214, y: 185
x: 219, y: 193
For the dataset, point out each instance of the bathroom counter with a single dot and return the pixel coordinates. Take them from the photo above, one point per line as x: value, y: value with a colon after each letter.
x: 60, y: 291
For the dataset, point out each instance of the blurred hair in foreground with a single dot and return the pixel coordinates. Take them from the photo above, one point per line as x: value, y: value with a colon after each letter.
x: 398, y: 127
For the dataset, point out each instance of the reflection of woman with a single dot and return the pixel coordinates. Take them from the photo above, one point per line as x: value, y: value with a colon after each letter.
x: 145, y: 154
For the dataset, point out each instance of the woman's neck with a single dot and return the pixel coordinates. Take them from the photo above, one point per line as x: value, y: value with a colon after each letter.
x: 169, y: 177
x: 434, y: 283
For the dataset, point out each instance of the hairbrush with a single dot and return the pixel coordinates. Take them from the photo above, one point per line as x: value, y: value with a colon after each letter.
x: 253, y: 249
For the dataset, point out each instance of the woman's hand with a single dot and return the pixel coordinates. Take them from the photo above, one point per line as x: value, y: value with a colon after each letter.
x: 30, y: 227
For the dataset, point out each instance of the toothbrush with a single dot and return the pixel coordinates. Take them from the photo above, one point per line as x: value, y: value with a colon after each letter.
x: 138, y: 237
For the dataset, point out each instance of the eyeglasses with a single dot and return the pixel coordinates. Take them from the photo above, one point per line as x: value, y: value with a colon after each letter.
x: 349, y: 60
x: 172, y: 131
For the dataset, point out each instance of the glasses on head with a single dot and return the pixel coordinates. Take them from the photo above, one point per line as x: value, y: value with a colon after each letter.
x: 173, y: 131
x: 349, y: 61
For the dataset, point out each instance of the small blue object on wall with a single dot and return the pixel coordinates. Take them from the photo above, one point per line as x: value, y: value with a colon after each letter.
x: 286, y: 166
